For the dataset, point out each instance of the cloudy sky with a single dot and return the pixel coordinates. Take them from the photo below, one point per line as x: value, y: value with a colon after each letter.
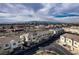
x: 55, y: 12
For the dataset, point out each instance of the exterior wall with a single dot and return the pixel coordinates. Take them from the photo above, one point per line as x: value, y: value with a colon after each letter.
x: 76, y: 50
x: 14, y: 44
x: 58, y: 31
x: 66, y: 42
x: 76, y: 44
x: 5, y: 47
x: 24, y: 38
x: 69, y: 41
x: 62, y: 39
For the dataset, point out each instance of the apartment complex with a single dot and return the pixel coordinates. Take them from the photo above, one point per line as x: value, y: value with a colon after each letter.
x: 70, y: 41
x: 35, y: 37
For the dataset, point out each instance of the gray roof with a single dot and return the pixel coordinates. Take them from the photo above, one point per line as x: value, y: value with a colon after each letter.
x: 72, y: 36
x: 5, y: 39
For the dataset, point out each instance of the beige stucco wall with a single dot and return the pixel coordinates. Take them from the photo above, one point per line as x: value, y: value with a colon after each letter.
x: 69, y: 41
x: 76, y: 44
x: 62, y: 40
x: 24, y: 36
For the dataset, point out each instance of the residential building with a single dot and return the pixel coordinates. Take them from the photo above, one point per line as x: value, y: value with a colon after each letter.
x: 35, y: 37
x: 10, y: 42
x: 72, y: 30
x: 71, y: 41
x: 57, y: 31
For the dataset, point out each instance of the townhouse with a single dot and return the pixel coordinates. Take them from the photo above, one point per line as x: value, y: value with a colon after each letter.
x: 35, y: 37
x: 71, y: 41
x: 57, y: 31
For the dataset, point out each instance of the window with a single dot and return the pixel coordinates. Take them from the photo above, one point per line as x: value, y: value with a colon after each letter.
x: 29, y: 38
x: 0, y: 47
x: 75, y: 43
x: 33, y: 38
x: 69, y: 41
x: 6, y: 45
x: 14, y: 43
x: 62, y: 38
x: 18, y: 41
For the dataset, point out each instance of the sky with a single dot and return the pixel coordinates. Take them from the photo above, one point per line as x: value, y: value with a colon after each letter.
x: 23, y: 12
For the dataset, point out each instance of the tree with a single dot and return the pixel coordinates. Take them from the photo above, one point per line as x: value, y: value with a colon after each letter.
x: 3, y: 27
x: 11, y: 27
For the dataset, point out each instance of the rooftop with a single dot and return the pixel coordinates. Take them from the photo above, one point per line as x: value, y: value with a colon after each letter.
x: 5, y: 39
x: 72, y: 36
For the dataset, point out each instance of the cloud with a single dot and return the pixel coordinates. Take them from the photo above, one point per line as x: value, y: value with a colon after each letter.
x: 15, y: 13
x: 59, y: 8
x: 62, y: 12
x: 74, y: 19
x: 22, y: 12
x: 15, y: 9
